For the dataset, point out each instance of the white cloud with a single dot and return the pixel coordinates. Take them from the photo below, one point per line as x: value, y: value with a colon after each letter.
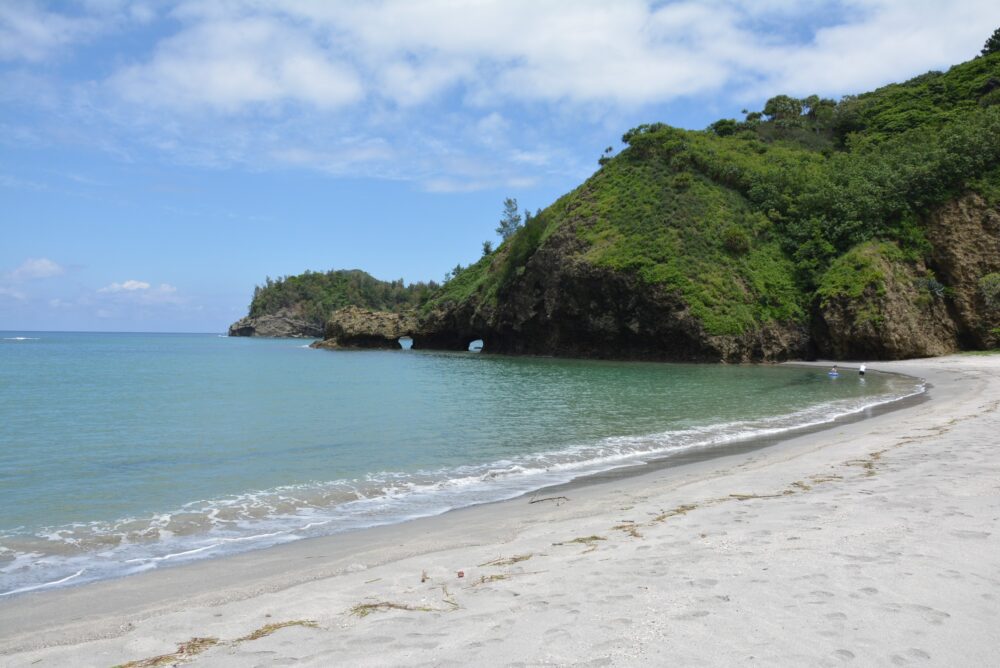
x: 11, y: 293
x: 37, y: 268
x: 230, y: 64
x: 126, y: 286
x: 30, y: 33
x: 141, y: 293
x: 465, y: 94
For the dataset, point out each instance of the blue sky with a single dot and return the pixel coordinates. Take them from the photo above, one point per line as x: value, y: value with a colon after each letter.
x: 159, y: 159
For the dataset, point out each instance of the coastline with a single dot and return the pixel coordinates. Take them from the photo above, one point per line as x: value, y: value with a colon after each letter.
x: 669, y: 570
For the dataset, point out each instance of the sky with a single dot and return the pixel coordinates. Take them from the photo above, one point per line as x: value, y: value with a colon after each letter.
x: 160, y: 159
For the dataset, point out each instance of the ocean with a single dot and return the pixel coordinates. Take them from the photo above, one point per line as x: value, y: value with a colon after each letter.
x: 121, y: 453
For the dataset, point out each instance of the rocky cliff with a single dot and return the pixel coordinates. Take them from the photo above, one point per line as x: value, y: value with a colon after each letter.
x: 354, y: 327
x: 284, y: 323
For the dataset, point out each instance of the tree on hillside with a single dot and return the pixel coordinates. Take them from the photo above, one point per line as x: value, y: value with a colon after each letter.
x: 992, y: 44
x: 511, y: 219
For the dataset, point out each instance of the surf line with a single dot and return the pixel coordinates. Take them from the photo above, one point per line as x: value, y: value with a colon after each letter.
x: 45, y: 584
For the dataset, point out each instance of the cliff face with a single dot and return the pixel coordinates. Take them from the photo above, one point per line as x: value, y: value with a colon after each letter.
x: 562, y: 304
x: 875, y: 302
x: 882, y: 307
x: 965, y: 238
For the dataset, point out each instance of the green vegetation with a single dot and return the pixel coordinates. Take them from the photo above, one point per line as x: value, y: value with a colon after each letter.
x: 511, y: 219
x: 992, y: 44
x: 315, y: 295
x: 989, y: 289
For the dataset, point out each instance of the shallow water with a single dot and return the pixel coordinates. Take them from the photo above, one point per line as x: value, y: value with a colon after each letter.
x: 124, y: 452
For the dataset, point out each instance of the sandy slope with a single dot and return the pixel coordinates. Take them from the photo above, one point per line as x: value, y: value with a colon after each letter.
x: 873, y: 543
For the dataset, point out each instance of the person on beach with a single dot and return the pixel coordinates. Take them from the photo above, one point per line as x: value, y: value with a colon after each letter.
x: 861, y: 369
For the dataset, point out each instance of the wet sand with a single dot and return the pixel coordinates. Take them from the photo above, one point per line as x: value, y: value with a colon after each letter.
x: 873, y: 542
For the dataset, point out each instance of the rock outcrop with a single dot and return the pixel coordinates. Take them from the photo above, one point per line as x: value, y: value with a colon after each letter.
x: 895, y: 311
x: 560, y: 304
x: 354, y: 327
x: 965, y: 241
x: 285, y: 323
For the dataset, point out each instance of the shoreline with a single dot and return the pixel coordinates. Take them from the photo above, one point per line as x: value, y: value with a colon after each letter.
x: 321, y: 579
x: 635, y: 465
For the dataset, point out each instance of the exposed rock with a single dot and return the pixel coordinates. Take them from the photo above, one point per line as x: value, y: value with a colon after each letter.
x: 895, y: 316
x: 285, y: 323
x: 965, y: 236
x: 354, y: 327
x: 563, y: 305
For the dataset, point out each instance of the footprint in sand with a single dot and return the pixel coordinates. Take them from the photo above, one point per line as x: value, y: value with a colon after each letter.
x: 970, y: 534
x: 912, y: 654
x: 703, y: 583
x: 931, y: 615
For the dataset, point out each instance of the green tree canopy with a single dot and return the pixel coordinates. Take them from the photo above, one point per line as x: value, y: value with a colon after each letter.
x: 992, y: 44
x: 511, y: 219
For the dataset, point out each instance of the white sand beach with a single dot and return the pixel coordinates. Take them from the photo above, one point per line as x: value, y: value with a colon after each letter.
x: 873, y: 542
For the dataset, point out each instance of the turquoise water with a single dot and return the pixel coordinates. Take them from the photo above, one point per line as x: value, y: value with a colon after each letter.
x: 124, y: 452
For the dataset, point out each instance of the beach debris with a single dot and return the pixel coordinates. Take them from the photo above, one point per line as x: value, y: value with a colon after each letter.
x: 185, y: 650
x: 365, y: 609
x: 423, y: 576
x: 461, y: 574
x: 682, y: 509
x: 747, y: 497
x: 448, y: 598
x: 368, y: 582
x: 558, y: 499
x: 194, y: 646
x: 629, y: 527
x: 486, y: 579
x: 268, y: 629
x: 509, y: 561
x: 589, y: 541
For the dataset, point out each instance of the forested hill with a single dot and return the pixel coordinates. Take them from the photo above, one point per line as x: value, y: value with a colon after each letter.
x: 864, y: 227
x: 300, y: 305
